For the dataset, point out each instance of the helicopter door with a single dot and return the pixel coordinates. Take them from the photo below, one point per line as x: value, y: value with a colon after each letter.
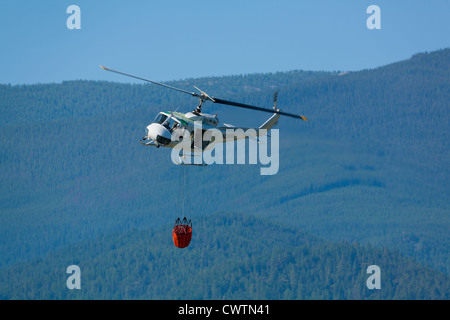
x: 197, y: 139
x: 198, y: 142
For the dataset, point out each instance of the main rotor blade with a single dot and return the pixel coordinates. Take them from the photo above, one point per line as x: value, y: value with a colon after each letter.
x: 205, y: 96
x: 151, y: 81
x: 246, y: 106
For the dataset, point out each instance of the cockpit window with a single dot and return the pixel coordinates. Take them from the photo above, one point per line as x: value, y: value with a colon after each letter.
x: 170, y: 124
x: 160, y: 118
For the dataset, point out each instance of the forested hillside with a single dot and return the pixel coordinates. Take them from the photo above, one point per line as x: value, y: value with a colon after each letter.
x: 230, y: 257
x: 370, y: 167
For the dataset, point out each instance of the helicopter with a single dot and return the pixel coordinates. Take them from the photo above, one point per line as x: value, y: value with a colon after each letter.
x: 170, y: 127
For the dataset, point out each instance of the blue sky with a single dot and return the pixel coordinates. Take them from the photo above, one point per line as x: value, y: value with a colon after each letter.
x: 171, y: 40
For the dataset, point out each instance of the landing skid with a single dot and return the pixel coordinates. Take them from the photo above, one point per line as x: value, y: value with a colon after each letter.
x: 183, y: 158
x: 149, y: 144
x: 192, y: 164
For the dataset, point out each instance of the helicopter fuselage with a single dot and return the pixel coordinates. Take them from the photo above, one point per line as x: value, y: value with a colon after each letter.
x: 170, y: 128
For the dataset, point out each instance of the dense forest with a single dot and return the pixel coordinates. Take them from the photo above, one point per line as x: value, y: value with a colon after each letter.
x: 231, y: 256
x: 370, y: 170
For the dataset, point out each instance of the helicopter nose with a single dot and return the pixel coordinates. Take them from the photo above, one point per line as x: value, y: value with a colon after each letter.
x: 159, y: 133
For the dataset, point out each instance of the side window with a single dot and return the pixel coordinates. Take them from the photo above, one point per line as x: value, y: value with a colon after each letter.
x: 167, y: 124
x: 160, y: 118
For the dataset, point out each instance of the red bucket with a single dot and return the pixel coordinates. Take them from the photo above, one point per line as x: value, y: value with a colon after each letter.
x: 182, y: 233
